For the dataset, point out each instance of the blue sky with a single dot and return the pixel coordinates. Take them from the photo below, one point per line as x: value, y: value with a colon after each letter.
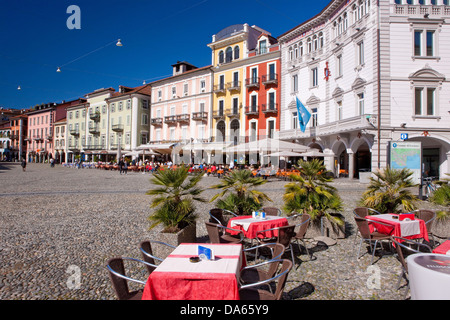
x: 155, y: 35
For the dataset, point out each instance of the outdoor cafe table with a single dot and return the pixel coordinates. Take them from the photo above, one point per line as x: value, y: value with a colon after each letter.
x: 177, y: 278
x: 252, y: 226
x: 413, y: 229
x: 443, y: 248
x: 429, y: 276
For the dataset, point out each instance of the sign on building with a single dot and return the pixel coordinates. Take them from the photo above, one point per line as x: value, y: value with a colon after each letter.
x: 407, y: 154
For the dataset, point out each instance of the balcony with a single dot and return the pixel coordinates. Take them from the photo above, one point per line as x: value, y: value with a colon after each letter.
x: 170, y: 119
x: 251, y: 110
x: 38, y: 138
x: 218, y: 114
x: 115, y: 146
x: 232, y: 113
x: 13, y: 137
x: 203, y: 116
x: 270, y: 108
x: 183, y: 117
x: 156, y: 121
x: 94, y: 116
x: 73, y: 146
x: 271, y: 78
x: 219, y: 88
x: 91, y: 146
x: 234, y: 85
x: 117, y: 127
x: 252, y: 82
x: 94, y: 129
x: 74, y: 132
x: 49, y: 137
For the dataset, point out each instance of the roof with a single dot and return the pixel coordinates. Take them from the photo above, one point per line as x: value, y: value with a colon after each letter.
x: 182, y: 74
x: 124, y: 91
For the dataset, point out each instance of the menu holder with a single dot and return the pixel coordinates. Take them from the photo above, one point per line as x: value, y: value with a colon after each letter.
x: 259, y: 215
x: 205, y: 253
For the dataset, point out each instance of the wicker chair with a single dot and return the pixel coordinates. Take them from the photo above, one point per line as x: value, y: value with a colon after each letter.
x: 366, y: 235
x: 407, y: 247
x: 363, y: 212
x: 271, y: 211
x: 217, y: 234
x: 221, y: 216
x: 147, y: 253
x: 257, y: 291
x: 119, y: 279
x: 428, y: 216
x: 285, y: 236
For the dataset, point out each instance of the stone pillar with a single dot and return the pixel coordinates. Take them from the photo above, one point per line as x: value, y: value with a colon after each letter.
x: 351, y: 163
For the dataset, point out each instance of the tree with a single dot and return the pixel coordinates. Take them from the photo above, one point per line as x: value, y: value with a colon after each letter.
x: 389, y: 191
x: 239, y: 187
x: 311, y: 193
x: 174, y: 198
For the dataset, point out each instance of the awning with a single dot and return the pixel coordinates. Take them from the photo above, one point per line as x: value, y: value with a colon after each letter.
x: 268, y: 145
x: 206, y: 146
x: 165, y: 148
x: 316, y: 153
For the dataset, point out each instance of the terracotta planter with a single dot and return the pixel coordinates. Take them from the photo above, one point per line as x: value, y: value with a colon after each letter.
x: 186, y: 235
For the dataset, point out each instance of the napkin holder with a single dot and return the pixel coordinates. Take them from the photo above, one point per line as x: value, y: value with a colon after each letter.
x: 259, y: 215
x: 406, y: 216
x: 205, y: 253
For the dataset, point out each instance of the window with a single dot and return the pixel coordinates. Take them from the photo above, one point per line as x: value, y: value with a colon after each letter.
x: 263, y: 46
x: 417, y: 42
x: 291, y: 54
x: 270, y: 128
x: 425, y: 43
x: 253, y: 131
x: 236, y: 52
x: 202, y: 85
x: 221, y: 57
x: 185, y: 89
x: 144, y: 102
x: 228, y: 55
x: 271, y: 100
x: 159, y: 95
x: 221, y: 102
x: 120, y: 108
x: 113, y: 107
x: 295, y: 83
x: 339, y: 110
x: 235, y: 106
x: 361, y: 53
x: 144, y: 119
x: 430, y: 43
x: 425, y: 101
x: 314, y: 77
x: 360, y: 98
x: 174, y: 92
x: 339, y: 65
x: 314, y: 117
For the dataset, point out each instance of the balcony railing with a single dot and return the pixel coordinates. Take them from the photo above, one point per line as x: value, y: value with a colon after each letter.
x: 218, y: 114
x: 37, y: 138
x: 232, y: 112
x: 271, y: 78
x: 234, y: 85
x: 183, y: 117
x: 270, y: 108
x: 94, y: 116
x: 156, y: 121
x: 252, y: 82
x: 117, y: 127
x: 115, y: 146
x: 251, y: 110
x: 170, y: 119
x: 49, y: 137
x: 92, y: 146
x: 94, y: 129
x: 202, y: 115
x: 74, y: 132
x: 219, y: 88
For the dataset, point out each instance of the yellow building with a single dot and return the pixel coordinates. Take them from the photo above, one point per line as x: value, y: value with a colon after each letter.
x: 230, y: 48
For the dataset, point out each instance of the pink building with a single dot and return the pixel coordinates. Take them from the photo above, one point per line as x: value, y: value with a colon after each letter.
x: 40, y: 137
x: 181, y: 104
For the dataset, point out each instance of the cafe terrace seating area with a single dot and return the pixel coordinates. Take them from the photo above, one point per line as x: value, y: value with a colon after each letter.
x: 250, y: 257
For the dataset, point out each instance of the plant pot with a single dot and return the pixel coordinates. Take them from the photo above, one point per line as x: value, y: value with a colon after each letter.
x: 185, y: 235
x: 327, y: 229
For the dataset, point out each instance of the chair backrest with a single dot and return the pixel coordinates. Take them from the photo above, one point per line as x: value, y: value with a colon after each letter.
x: 363, y: 227
x: 286, y: 267
x: 306, y: 218
x: 217, y: 216
x: 213, y: 232
x: 361, y: 212
x: 406, y: 247
x: 285, y: 235
x: 277, y: 252
x: 120, y: 285
x: 428, y: 216
x: 271, y: 211
x: 147, y: 253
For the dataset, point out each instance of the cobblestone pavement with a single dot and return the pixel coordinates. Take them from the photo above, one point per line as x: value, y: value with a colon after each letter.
x: 56, y: 222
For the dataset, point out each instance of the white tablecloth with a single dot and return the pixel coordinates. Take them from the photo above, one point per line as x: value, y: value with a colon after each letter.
x: 408, y: 228
x: 245, y: 223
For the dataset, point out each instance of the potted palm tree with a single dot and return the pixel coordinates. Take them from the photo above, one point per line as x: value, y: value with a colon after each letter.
x: 239, y: 192
x: 390, y: 191
x: 174, y: 200
x: 311, y: 193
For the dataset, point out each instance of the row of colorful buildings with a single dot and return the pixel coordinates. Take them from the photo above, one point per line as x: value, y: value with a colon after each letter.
x: 369, y: 73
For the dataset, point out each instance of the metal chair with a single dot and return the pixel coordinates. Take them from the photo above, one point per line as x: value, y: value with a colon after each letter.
x: 272, y: 211
x: 217, y: 234
x: 217, y: 215
x: 257, y: 272
x: 147, y: 253
x: 256, y: 291
x: 428, y: 216
x: 363, y: 212
x: 285, y: 236
x: 366, y: 235
x: 403, y: 246
x: 119, y: 279
x: 300, y: 234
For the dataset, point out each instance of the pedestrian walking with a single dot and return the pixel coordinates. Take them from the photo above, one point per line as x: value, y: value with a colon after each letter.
x: 23, y: 164
x: 121, y: 166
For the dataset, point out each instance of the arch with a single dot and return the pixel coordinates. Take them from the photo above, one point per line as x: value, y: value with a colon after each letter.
x: 228, y: 54
x: 316, y: 145
x: 357, y: 142
x: 236, y: 52
x: 220, y: 131
x: 221, y: 56
x: 234, y: 131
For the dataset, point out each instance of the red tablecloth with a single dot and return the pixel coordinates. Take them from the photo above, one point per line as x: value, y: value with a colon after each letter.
x: 443, y: 248
x: 176, y: 278
x: 253, y: 226
x: 396, y: 227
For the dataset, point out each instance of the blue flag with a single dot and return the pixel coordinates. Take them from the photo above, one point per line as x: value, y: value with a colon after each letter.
x: 303, y: 115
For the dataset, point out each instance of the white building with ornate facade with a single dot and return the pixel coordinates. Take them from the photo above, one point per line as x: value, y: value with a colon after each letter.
x: 370, y: 72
